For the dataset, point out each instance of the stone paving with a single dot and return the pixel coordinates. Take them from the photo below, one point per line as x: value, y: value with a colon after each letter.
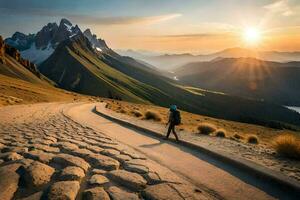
x: 45, y: 155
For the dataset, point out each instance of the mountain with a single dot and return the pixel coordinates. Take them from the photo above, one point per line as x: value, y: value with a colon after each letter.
x: 172, y: 61
x: 247, y: 77
x: 38, y: 47
x: 77, y: 65
x: 13, y: 65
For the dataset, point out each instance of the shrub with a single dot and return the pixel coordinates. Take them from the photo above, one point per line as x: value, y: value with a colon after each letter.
x: 137, y: 113
x: 221, y: 133
x: 152, y: 115
x: 122, y: 111
x: 237, y: 136
x: 253, y: 139
x: 206, y: 128
x: 287, y: 145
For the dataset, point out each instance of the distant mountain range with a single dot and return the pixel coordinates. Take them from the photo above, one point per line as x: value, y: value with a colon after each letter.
x: 172, y: 61
x: 247, y: 77
x: 84, y: 63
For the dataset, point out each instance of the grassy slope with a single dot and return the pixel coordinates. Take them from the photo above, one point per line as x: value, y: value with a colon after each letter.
x: 74, y: 66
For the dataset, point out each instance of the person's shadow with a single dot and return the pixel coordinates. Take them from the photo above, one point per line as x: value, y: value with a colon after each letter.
x: 153, y: 144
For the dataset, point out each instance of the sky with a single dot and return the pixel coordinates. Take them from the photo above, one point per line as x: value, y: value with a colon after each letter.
x: 172, y: 26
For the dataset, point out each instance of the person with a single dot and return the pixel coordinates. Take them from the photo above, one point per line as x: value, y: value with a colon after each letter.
x: 174, y: 119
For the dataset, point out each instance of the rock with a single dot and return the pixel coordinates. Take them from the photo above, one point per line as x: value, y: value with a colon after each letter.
x: 40, y: 156
x: 104, y: 162
x: 122, y: 158
x: 15, y: 149
x: 35, y: 196
x: 64, y: 190
x: 95, y: 149
x: 1, y: 161
x: 119, y: 194
x: 136, y: 168
x: 81, y: 152
x: 99, y: 171
x: 110, y: 152
x: 161, y: 192
x: 8, y: 182
x: 152, y: 178
x: 10, y: 156
x: 68, y: 160
x: 37, y: 174
x: 66, y: 146
x: 46, y: 148
x: 72, y: 174
x: 133, y: 155
x: 130, y: 180
x: 95, y: 193
x: 98, y: 180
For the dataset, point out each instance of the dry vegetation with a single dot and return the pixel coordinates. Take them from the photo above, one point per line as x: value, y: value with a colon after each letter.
x: 253, y: 139
x: 191, y: 122
x: 220, y: 133
x: 15, y: 91
x: 152, y: 115
x: 206, y: 128
x: 288, y: 146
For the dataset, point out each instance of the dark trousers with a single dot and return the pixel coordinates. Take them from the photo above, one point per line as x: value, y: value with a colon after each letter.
x: 172, y: 128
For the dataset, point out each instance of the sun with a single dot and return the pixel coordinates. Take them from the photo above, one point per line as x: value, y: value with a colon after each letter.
x: 252, y: 36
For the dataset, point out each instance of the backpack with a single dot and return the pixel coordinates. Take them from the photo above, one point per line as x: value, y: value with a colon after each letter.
x: 176, y: 117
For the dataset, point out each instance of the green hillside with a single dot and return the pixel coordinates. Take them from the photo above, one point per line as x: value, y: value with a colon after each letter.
x: 76, y: 66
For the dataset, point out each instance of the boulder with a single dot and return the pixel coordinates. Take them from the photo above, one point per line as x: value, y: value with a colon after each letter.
x: 130, y: 180
x: 35, y: 196
x: 99, y: 171
x: 40, y: 156
x: 63, y: 190
x: 10, y: 156
x: 110, y: 152
x: 96, y: 193
x: 137, y: 168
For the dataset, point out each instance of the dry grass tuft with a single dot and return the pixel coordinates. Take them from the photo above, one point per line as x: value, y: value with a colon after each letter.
x: 152, y: 115
x: 287, y: 145
x: 137, y: 113
x: 237, y: 136
x: 206, y: 128
x: 220, y: 133
x: 253, y: 139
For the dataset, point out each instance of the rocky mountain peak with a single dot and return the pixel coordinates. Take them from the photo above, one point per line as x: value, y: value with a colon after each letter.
x: 64, y: 21
x: 98, y: 44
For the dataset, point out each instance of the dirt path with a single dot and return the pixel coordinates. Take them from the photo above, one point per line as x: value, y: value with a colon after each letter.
x: 46, y: 155
x: 187, y: 163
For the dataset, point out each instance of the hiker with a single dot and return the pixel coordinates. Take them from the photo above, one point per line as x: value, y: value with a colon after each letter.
x: 174, y: 119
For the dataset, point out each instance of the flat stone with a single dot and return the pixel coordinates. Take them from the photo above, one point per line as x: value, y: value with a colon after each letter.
x: 95, y: 149
x: 67, y: 146
x: 133, y: 155
x: 64, y: 190
x: 110, y: 152
x: 136, y: 168
x: 95, y: 193
x: 37, y: 174
x: 68, y: 160
x: 46, y: 148
x: 122, y: 158
x: 40, y: 156
x: 161, y: 191
x: 72, y: 173
x: 15, y: 149
x: 10, y: 156
x: 8, y: 183
x: 81, y: 152
x: 104, y: 162
x: 35, y: 196
x: 98, y: 180
x: 119, y: 194
x: 130, y: 180
x: 99, y: 171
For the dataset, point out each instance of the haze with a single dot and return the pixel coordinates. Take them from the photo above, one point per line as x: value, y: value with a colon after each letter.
x: 174, y: 26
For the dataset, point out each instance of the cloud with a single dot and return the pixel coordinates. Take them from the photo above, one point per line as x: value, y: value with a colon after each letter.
x: 196, y: 35
x: 280, y: 7
x: 89, y: 19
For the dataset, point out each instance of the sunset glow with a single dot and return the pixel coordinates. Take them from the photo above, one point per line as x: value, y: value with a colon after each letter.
x: 252, y: 36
